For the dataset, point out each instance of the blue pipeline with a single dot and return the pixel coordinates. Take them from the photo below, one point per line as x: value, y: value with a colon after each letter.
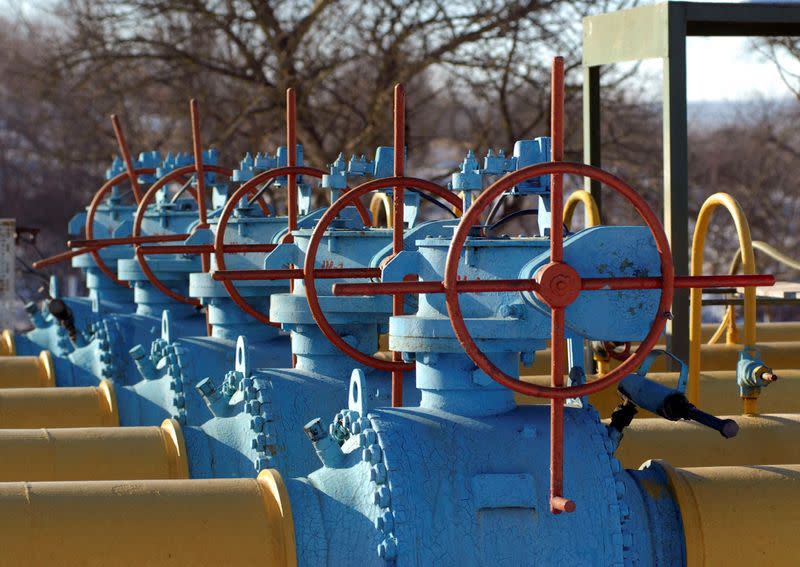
x: 112, y: 219
x: 253, y: 418
x: 463, y: 477
x: 171, y: 365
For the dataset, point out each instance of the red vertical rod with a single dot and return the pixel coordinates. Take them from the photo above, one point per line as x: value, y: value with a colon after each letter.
x: 399, y: 166
x: 126, y: 157
x: 557, y: 154
x: 291, y: 186
x: 558, y: 503
x: 197, y: 147
x: 398, y: 214
x: 291, y: 153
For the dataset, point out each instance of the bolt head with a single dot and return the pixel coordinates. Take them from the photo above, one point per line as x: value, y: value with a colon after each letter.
x: 385, y: 522
x: 256, y: 423
x: 387, y: 549
x: 382, y: 497
x: 377, y: 473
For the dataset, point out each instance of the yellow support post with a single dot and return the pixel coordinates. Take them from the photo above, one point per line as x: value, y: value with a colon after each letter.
x: 28, y: 371
x: 101, y: 453
x: 591, y: 211
x: 696, y: 295
x: 28, y: 408
x: 7, y: 345
x: 184, y: 523
x: 738, y: 515
x: 762, y: 440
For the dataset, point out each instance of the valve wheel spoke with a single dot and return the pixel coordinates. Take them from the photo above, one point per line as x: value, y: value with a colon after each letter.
x: 311, y: 273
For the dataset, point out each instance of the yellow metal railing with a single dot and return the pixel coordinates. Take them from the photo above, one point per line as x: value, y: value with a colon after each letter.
x: 696, y: 295
x: 591, y: 210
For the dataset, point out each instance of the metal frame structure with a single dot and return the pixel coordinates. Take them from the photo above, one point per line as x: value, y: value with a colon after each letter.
x: 659, y: 31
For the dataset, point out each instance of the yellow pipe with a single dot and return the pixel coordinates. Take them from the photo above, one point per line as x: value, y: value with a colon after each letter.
x: 762, y: 440
x: 781, y: 355
x: 738, y: 515
x: 184, y: 523
x: 720, y: 395
x: 696, y: 295
x: 93, y: 453
x: 28, y: 371
x: 591, y: 211
x: 28, y: 408
x: 7, y: 345
x: 380, y: 201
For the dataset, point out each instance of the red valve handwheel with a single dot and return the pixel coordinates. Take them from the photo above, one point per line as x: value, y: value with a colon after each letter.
x: 220, y: 247
x: 149, y: 196
x: 219, y: 241
x: 92, y: 212
x: 310, y: 273
x: 559, y: 284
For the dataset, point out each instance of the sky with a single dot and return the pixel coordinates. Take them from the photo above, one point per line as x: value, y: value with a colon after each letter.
x: 728, y: 69
x: 719, y: 69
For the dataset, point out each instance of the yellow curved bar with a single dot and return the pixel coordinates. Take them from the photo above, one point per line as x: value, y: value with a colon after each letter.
x: 762, y: 440
x: 158, y: 523
x: 715, y: 386
x: 781, y: 355
x: 28, y: 371
x: 380, y: 201
x: 93, y: 453
x: 29, y: 408
x: 589, y: 205
x: 696, y: 295
x: 738, y: 515
x: 7, y: 345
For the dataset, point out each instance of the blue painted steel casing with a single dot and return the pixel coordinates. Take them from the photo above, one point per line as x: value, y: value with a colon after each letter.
x: 463, y: 479
x: 259, y: 412
x: 176, y: 362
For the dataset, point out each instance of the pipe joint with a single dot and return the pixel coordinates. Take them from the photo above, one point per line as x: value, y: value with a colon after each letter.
x: 752, y: 374
x: 143, y: 363
x: 217, y: 400
x: 328, y: 450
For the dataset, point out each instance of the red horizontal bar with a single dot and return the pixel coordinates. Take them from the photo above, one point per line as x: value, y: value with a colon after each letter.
x: 464, y: 286
x: 58, y: 258
x: 681, y: 282
x: 177, y: 249
x: 321, y: 273
x: 103, y: 242
x: 588, y: 284
x: 256, y: 275
x: 243, y: 248
x: 206, y: 248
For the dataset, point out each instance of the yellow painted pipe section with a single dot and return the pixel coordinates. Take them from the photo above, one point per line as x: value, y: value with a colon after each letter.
x: 380, y: 201
x: 777, y: 355
x: 591, y: 212
x: 720, y: 393
x: 696, y: 295
x: 157, y: 523
x: 7, y: 345
x: 28, y: 371
x: 93, y: 453
x: 762, y: 440
x: 738, y: 515
x: 30, y: 408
